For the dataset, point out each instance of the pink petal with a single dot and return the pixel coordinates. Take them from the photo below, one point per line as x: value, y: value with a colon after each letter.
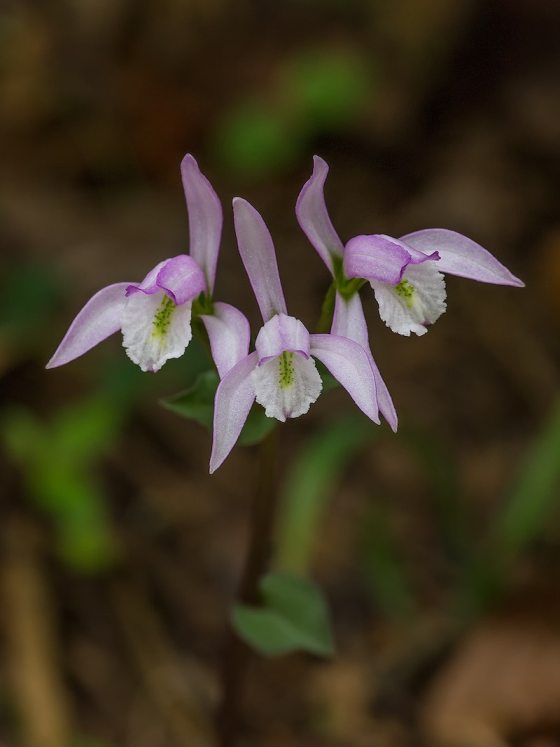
x: 461, y: 256
x: 349, y: 321
x: 349, y: 364
x: 279, y: 334
x: 229, y: 334
x: 313, y: 217
x: 234, y: 398
x: 180, y: 277
x: 380, y: 257
x: 257, y: 252
x: 99, y: 318
x: 205, y: 218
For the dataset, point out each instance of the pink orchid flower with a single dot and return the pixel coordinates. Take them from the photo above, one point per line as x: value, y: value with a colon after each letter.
x: 154, y: 316
x: 281, y: 374
x: 406, y: 274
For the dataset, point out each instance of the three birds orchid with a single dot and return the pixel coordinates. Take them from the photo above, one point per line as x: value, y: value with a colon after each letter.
x: 406, y: 274
x: 154, y: 315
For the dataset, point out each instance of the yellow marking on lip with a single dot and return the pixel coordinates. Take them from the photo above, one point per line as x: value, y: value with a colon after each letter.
x: 163, y: 316
x: 286, y: 373
x: 405, y: 290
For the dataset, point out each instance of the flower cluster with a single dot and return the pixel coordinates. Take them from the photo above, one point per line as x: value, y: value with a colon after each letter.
x: 154, y: 316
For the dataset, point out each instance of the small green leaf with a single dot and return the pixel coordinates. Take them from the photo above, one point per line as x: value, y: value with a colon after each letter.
x: 197, y: 402
x: 294, y: 617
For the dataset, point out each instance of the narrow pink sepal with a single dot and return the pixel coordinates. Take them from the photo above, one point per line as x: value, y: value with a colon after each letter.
x: 282, y: 333
x: 99, y: 318
x: 313, y: 216
x: 461, y: 256
x: 380, y: 257
x: 349, y: 321
x: 229, y: 334
x: 257, y: 253
x: 348, y: 363
x: 234, y: 398
x: 205, y: 218
x: 180, y: 277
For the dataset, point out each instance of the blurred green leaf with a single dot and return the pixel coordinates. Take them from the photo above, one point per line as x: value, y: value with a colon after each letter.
x: 22, y: 434
x: 85, y: 543
x: 55, y: 459
x: 255, y: 140
x: 294, y: 617
x: 83, y: 431
x: 535, y: 494
x: 197, y: 402
x: 327, y: 87
x: 309, y: 486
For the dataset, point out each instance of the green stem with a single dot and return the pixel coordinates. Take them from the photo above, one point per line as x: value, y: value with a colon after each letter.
x: 327, y: 310
x: 237, y: 653
x: 346, y: 288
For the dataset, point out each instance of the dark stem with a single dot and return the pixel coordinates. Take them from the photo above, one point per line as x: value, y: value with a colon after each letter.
x: 237, y: 653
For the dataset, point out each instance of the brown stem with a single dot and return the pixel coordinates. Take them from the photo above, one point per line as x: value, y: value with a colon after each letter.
x: 237, y: 653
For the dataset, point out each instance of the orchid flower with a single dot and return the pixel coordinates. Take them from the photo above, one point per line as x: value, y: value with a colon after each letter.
x: 406, y: 274
x: 281, y: 374
x: 348, y: 319
x: 154, y: 316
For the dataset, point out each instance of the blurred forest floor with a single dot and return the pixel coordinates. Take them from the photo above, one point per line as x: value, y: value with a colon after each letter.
x: 439, y: 549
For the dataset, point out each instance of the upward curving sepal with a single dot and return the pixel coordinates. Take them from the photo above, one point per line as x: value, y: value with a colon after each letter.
x: 257, y: 253
x: 205, y: 219
x: 313, y: 216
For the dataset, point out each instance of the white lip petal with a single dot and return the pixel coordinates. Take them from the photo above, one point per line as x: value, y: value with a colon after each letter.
x: 418, y: 300
x: 155, y: 329
x: 287, y: 385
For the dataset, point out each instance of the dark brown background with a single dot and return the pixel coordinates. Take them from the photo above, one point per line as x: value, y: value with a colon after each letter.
x: 454, y: 122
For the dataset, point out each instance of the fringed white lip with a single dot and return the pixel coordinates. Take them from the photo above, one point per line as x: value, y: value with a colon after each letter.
x: 416, y: 301
x: 155, y: 329
x: 287, y: 385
